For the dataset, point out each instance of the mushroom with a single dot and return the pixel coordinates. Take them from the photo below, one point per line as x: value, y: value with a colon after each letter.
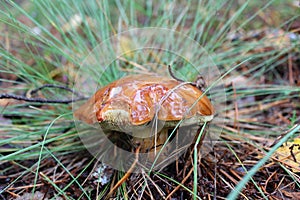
x: 146, y: 107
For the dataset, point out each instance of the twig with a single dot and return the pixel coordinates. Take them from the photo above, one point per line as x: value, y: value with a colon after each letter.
x: 199, y: 83
x: 291, y: 148
x: 182, y: 182
x: 54, y: 86
x: 42, y: 100
x: 39, y: 100
x: 173, y: 75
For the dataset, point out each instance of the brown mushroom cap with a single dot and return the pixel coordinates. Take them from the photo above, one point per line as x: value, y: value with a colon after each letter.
x: 134, y: 100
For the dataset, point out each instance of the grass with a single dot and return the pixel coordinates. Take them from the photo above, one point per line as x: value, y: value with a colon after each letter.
x: 59, y: 42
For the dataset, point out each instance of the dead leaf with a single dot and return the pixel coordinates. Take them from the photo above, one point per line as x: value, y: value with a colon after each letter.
x: 289, y: 155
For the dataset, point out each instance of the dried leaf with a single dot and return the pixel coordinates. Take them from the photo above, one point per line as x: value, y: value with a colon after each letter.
x: 289, y: 154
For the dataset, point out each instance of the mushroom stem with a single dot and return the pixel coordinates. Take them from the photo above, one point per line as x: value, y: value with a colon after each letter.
x: 153, y: 144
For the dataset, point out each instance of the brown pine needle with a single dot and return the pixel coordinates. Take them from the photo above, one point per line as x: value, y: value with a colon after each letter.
x: 126, y: 176
x: 182, y: 182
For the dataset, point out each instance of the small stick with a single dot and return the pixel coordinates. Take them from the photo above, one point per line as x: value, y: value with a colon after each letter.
x: 200, y: 82
x: 42, y: 100
x: 173, y: 75
x: 39, y: 100
x: 54, y: 86
x: 291, y: 151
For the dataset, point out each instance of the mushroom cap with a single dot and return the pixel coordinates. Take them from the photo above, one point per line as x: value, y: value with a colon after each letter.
x: 137, y: 99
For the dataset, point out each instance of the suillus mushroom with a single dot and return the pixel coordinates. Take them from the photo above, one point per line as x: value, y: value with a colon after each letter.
x: 146, y: 107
